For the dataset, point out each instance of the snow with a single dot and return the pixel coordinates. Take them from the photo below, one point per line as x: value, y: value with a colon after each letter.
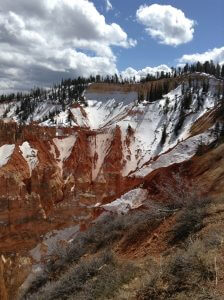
x: 64, y: 146
x: 101, y: 114
x: 43, y: 110
x: 144, y: 121
x: 103, y: 107
x: 99, y: 147
x: 79, y: 118
x: 182, y: 152
x: 147, y: 122
x: 131, y: 200
x: 8, y: 111
x: 30, y: 155
x: 3, y: 109
x: 6, y: 152
x: 62, y: 118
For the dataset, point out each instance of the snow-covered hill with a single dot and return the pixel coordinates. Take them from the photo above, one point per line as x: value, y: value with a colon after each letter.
x: 149, y: 131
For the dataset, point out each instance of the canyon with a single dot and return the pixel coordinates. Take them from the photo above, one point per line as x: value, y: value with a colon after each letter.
x: 58, y: 174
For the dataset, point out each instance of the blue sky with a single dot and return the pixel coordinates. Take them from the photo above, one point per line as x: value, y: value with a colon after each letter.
x: 209, y: 31
x: 43, y: 41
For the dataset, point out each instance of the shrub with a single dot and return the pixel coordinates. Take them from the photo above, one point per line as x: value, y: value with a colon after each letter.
x: 213, y: 239
x: 72, y: 281
x: 189, y: 220
x: 100, y: 236
x: 141, y: 226
x: 98, y: 278
x: 107, y: 283
x: 181, y: 276
x: 35, y: 285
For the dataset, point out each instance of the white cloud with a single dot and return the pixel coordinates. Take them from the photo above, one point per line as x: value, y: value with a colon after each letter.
x: 216, y: 54
x: 45, y: 40
x: 138, y: 74
x: 108, y: 5
x: 166, y: 24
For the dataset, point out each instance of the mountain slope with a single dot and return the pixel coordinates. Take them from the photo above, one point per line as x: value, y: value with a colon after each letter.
x: 62, y: 167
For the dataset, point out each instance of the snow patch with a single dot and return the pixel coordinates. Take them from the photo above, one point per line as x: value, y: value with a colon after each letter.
x: 6, y: 152
x: 182, y: 152
x: 79, y: 118
x: 30, y: 155
x: 131, y: 200
x: 99, y: 147
x: 64, y: 146
x: 107, y: 107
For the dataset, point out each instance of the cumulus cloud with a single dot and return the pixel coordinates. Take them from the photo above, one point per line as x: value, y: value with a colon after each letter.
x: 138, y: 74
x: 45, y: 40
x: 166, y: 24
x: 216, y: 54
x: 108, y: 5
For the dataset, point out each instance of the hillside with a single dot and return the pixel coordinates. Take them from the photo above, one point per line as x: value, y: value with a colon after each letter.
x: 137, y: 164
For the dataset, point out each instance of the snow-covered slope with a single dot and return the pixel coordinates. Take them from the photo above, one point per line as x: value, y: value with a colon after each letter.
x: 147, y: 130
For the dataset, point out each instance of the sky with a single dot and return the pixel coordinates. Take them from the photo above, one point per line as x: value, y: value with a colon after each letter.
x: 43, y: 41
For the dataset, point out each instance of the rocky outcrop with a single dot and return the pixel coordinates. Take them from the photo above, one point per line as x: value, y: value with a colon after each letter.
x: 59, y: 190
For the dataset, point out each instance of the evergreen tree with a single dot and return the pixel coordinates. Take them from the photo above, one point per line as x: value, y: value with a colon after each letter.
x: 164, y: 136
x: 222, y: 71
x: 205, y: 86
x: 140, y: 96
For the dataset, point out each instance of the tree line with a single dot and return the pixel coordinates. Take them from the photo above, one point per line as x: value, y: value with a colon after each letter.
x: 72, y: 89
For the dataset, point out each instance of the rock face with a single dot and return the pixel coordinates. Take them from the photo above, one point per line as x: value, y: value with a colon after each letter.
x: 59, y: 175
x: 47, y: 181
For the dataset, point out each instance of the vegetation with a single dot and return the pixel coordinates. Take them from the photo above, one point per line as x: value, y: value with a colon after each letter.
x: 185, y: 274
x: 69, y: 91
x: 164, y: 135
x: 72, y: 88
x: 67, y: 263
x: 190, y: 220
x: 88, y: 280
x: 90, y: 266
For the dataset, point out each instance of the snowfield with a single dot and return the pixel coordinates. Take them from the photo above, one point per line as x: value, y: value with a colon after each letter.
x: 182, y: 152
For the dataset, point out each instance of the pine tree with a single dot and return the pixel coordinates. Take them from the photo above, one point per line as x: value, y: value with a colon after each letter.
x: 164, y: 136
x: 205, y: 86
x: 148, y: 96
x: 140, y: 96
x: 222, y: 71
